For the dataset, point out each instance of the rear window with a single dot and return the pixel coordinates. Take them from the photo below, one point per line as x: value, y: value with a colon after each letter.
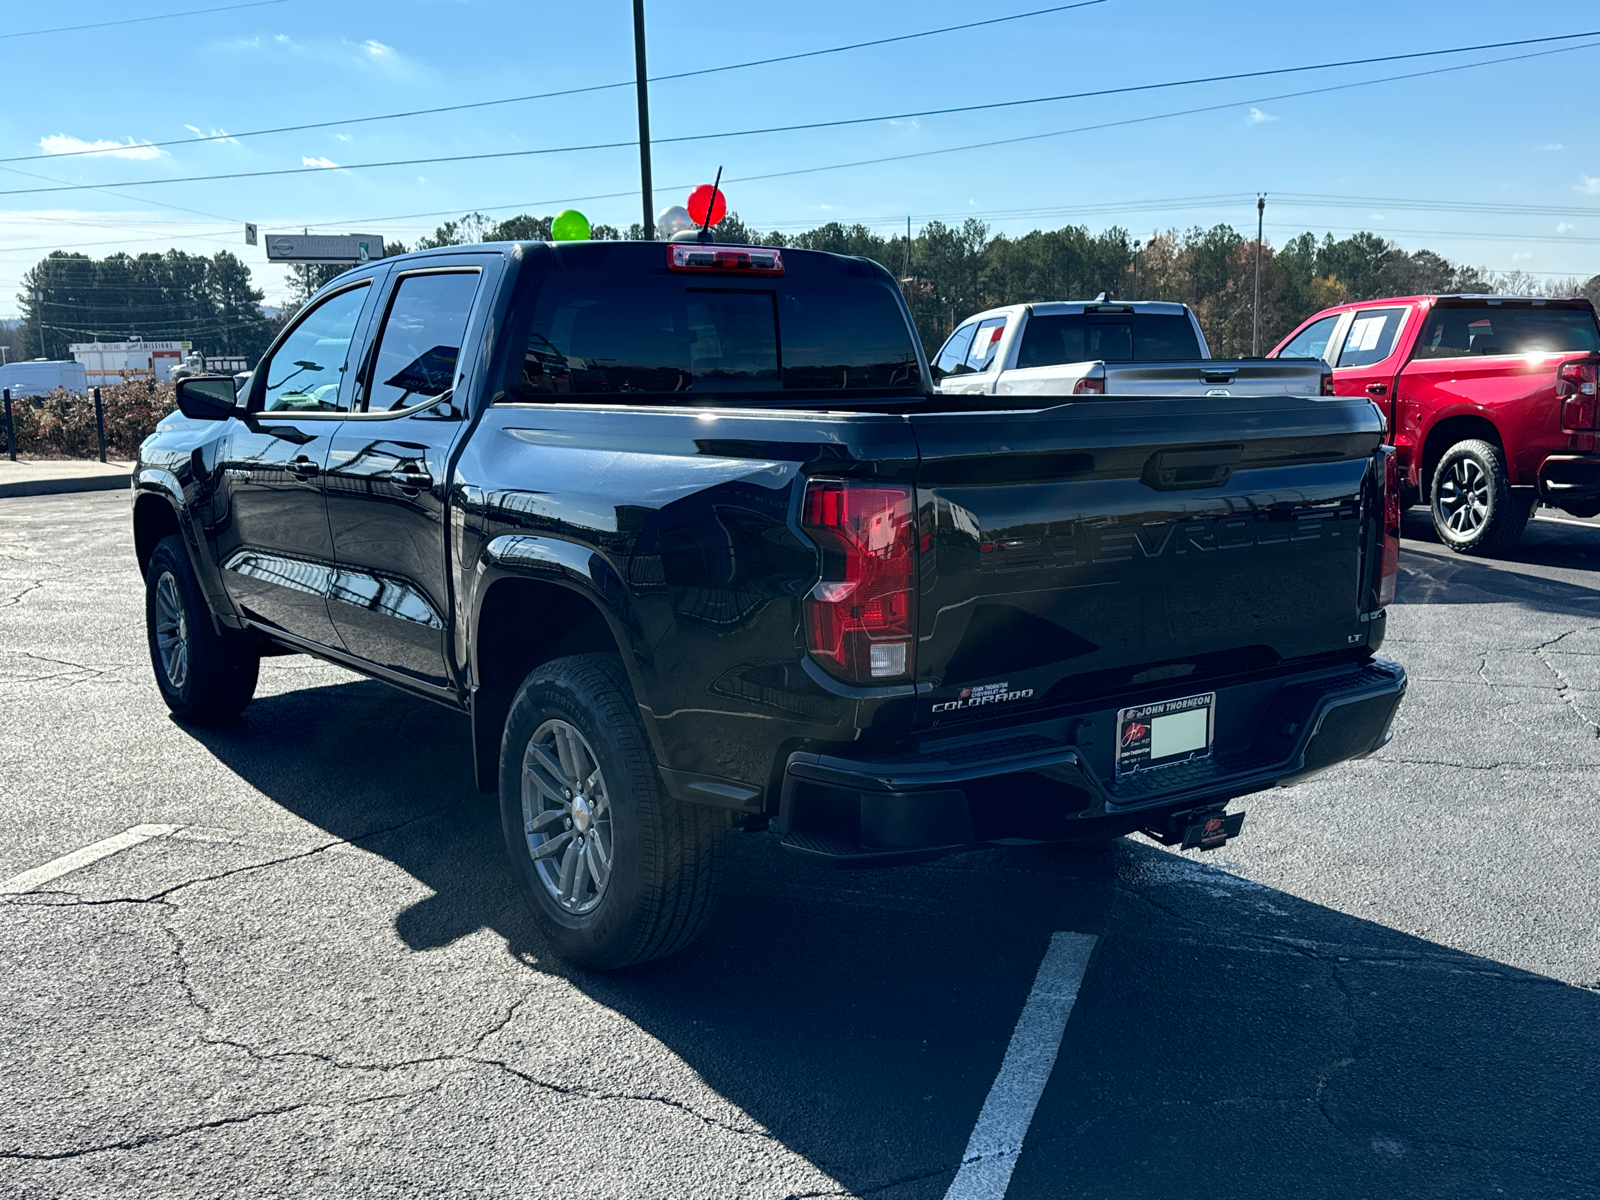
x: 1460, y: 332
x: 610, y: 334
x: 1049, y: 341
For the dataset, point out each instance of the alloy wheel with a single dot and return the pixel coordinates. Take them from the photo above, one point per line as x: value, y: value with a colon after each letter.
x: 172, y: 632
x: 1464, y: 497
x: 566, y: 816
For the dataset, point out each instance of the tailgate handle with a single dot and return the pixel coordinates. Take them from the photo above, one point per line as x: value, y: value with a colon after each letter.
x: 1203, y: 467
x: 1217, y: 376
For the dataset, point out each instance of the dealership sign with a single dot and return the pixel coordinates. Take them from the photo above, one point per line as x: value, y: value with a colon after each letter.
x: 323, y: 247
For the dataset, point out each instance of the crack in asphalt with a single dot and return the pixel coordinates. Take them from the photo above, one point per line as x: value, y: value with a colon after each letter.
x: 152, y: 1138
x: 161, y: 896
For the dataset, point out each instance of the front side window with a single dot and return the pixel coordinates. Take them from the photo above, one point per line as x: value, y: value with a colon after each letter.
x: 305, y: 372
x: 1312, y: 341
x: 1465, y: 331
x: 985, y: 343
x: 421, y: 339
x: 1051, y: 340
x: 1372, y: 336
x: 952, y: 358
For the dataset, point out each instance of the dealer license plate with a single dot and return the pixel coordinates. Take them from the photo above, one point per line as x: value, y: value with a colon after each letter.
x: 1165, y: 733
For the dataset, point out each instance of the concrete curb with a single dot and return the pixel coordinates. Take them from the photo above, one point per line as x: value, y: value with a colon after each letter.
x: 100, y: 481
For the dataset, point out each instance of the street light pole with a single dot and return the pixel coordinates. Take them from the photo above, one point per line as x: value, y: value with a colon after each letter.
x: 1255, y: 312
x: 646, y: 190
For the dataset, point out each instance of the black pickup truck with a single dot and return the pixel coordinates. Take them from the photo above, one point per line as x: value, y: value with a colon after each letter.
x: 687, y: 532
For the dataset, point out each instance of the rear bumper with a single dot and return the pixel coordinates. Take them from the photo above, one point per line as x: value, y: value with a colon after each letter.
x: 1565, y: 478
x: 1033, y: 783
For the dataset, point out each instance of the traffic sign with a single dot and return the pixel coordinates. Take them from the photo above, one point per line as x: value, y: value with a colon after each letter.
x: 323, y: 247
x: 249, y: 234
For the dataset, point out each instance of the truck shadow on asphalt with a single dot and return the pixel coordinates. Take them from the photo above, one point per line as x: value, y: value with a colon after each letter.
x: 1431, y: 573
x: 1229, y: 1040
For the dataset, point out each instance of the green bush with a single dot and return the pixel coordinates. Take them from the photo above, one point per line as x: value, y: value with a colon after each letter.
x: 63, y: 425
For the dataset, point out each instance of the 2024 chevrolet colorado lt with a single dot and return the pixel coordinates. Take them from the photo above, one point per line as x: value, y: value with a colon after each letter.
x: 1490, y: 403
x: 687, y: 533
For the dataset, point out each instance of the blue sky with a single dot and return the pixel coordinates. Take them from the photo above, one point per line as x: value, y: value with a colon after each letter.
x: 1514, y: 134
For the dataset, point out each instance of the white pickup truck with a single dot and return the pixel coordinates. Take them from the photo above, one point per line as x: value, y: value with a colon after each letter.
x: 1108, y: 347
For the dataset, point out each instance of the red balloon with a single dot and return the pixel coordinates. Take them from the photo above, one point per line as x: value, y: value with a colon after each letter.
x: 700, y: 197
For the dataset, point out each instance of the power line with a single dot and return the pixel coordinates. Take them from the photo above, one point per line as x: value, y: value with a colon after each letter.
x: 699, y: 137
x: 597, y: 87
x: 193, y: 12
x: 1183, y: 112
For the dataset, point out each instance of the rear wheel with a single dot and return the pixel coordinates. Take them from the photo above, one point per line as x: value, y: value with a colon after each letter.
x: 203, y: 675
x: 1475, y: 510
x: 615, y: 869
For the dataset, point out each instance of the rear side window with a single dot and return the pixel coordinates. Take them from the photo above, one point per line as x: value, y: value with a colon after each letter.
x: 1460, y: 332
x: 598, y: 334
x: 421, y: 339
x: 1372, y: 336
x: 1049, y: 341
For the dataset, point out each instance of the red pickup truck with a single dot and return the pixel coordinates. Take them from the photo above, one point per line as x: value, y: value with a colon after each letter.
x: 1490, y: 403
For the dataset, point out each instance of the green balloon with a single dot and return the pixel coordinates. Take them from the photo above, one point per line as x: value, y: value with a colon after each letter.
x: 570, y: 225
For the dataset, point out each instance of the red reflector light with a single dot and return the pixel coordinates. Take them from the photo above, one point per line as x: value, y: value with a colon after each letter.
x: 1089, y: 387
x: 1576, y: 385
x: 1327, y: 383
x: 859, y: 616
x: 753, y: 260
x: 1389, y: 559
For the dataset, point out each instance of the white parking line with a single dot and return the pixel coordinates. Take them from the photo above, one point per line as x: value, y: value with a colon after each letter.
x: 1003, y: 1123
x: 1565, y: 521
x: 67, y: 863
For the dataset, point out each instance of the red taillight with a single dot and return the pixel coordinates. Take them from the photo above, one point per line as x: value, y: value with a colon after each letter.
x: 1089, y: 387
x: 859, y: 615
x: 751, y: 260
x: 1327, y: 383
x: 1575, y: 388
x: 1389, y: 558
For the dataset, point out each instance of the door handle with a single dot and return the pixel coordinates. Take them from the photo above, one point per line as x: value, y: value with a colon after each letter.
x: 304, y: 469
x: 1377, y: 389
x: 411, y: 477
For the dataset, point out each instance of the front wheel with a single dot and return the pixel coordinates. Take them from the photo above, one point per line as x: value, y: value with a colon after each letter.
x: 203, y: 674
x: 1475, y: 510
x: 614, y: 868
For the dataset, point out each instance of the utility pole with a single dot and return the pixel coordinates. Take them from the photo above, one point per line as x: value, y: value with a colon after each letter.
x: 1136, y: 246
x: 908, y: 249
x: 1255, y: 312
x: 646, y: 190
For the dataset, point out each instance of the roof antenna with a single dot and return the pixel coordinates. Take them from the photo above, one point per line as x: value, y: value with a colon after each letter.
x: 711, y: 206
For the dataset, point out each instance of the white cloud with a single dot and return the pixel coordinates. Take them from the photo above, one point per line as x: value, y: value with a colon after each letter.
x: 1590, y: 185
x: 220, y: 135
x: 343, y: 137
x: 1565, y: 227
x: 327, y: 163
x: 60, y: 143
x: 377, y: 49
x: 1551, y: 146
x: 1525, y: 256
x: 1257, y: 117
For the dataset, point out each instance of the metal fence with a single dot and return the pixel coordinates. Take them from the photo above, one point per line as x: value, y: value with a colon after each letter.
x: 99, y: 425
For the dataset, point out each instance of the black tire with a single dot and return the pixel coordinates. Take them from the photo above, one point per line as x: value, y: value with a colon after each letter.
x: 665, y: 857
x: 217, y: 674
x: 1475, y: 510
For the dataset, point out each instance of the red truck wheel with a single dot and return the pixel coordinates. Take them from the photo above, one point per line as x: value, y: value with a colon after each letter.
x: 615, y: 869
x: 1475, y: 510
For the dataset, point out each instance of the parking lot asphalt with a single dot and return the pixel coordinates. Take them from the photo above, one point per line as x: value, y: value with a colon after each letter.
x: 308, y: 974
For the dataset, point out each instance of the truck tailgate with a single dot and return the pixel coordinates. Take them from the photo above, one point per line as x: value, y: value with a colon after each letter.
x: 1198, y: 377
x: 1105, y: 544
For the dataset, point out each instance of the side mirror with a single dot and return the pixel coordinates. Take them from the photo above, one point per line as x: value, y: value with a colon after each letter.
x: 208, y: 398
